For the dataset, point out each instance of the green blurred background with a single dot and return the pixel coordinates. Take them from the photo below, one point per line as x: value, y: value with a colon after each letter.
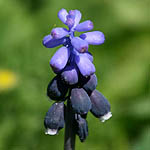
x: 122, y: 67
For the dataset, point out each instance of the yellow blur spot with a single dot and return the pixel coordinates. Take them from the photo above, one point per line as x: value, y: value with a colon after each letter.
x: 7, y: 79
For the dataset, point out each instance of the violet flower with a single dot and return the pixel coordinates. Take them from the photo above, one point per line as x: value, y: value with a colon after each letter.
x: 75, y: 80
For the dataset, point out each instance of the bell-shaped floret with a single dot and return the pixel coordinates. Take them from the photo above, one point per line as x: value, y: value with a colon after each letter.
x: 88, y: 55
x: 60, y: 58
x: 56, y: 89
x: 100, y: 106
x: 70, y: 74
x: 79, y: 44
x: 91, y: 84
x: 82, y: 127
x: 84, y: 26
x: 85, y: 66
x: 58, y: 33
x: 80, y: 101
x: 62, y: 15
x: 93, y: 38
x: 49, y: 42
x: 54, y: 119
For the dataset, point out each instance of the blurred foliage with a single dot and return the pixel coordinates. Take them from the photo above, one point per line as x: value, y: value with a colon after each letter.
x: 122, y: 63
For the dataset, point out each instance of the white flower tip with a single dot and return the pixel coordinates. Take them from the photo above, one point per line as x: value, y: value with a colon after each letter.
x: 106, y: 117
x: 51, y: 131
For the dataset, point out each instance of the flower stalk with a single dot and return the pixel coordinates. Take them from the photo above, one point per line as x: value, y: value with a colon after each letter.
x: 70, y: 135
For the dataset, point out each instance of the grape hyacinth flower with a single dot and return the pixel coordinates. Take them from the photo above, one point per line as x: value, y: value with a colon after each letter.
x: 75, y: 79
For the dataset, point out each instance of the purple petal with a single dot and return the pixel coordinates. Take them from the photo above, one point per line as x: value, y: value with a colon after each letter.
x: 77, y: 17
x: 85, y: 66
x: 84, y: 26
x: 49, y: 42
x: 73, y: 18
x: 70, y: 20
x: 93, y: 38
x: 70, y: 75
x: 58, y: 33
x: 88, y: 55
x: 59, y: 60
x: 79, y: 44
x: 62, y: 14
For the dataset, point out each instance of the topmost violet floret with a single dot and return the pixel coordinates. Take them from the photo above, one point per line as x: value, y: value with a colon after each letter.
x: 72, y: 20
x: 66, y: 37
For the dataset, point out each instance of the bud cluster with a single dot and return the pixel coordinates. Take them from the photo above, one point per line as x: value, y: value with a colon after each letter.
x: 75, y: 79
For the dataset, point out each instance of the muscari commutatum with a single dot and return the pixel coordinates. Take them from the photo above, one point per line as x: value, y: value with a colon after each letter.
x: 75, y: 80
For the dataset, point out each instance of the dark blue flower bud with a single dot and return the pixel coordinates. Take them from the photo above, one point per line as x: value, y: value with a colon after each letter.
x: 60, y: 58
x: 80, y: 101
x: 54, y: 119
x: 91, y: 84
x: 58, y: 33
x: 84, y: 26
x: 49, y: 42
x: 56, y: 90
x: 70, y: 74
x: 100, y: 106
x: 93, y: 38
x: 62, y: 15
x: 82, y: 127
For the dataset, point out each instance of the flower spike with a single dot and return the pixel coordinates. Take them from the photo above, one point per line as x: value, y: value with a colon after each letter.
x: 75, y: 79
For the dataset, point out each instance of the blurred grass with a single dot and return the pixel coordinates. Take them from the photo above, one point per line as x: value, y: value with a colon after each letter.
x: 122, y: 63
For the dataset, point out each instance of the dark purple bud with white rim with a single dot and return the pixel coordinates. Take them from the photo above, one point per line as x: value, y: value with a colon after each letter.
x: 62, y: 15
x: 54, y: 119
x: 79, y: 44
x: 70, y: 75
x: 84, y: 26
x: 60, y: 58
x: 58, y: 33
x: 100, y: 106
x: 49, y: 42
x: 93, y: 38
x: 85, y: 66
x: 80, y: 101
x: 82, y: 127
x: 56, y: 89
